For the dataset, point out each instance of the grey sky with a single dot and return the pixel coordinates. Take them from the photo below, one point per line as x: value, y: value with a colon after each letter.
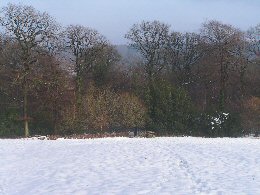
x: 113, y: 18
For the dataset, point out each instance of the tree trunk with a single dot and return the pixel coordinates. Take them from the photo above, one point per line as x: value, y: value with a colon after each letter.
x: 25, y: 109
x: 79, y: 86
x: 152, y: 97
x: 223, y: 80
x: 25, y: 97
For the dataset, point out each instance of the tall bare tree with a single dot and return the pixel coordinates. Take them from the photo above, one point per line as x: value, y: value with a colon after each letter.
x: 106, y: 59
x: 83, y: 42
x: 150, y: 40
x: 31, y: 29
x: 221, y: 43
x: 184, y: 51
x: 253, y: 37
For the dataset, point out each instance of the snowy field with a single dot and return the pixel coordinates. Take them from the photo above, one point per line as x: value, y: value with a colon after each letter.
x: 176, y: 166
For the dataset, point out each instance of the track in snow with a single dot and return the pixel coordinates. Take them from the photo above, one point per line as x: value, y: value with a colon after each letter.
x: 130, y: 166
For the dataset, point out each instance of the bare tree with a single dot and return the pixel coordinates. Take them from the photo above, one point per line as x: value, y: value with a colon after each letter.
x: 253, y: 37
x: 221, y: 43
x: 183, y: 51
x: 107, y: 58
x: 83, y: 43
x: 150, y: 39
x: 31, y: 29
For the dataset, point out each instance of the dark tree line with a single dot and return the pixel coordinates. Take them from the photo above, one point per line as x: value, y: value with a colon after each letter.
x: 56, y: 80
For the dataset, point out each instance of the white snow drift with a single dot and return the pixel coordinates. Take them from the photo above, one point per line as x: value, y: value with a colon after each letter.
x: 130, y: 166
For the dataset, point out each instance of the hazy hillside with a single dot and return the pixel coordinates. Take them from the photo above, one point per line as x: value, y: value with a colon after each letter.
x: 129, y: 56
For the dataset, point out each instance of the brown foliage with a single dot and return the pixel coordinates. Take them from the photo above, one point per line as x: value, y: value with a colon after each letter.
x: 251, y: 114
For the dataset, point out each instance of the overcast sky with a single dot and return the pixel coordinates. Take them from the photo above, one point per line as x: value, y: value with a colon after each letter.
x: 113, y: 18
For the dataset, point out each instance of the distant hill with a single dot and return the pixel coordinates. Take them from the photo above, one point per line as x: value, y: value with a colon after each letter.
x: 129, y: 56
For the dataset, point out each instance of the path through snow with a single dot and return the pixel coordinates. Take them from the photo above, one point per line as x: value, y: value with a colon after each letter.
x: 130, y: 166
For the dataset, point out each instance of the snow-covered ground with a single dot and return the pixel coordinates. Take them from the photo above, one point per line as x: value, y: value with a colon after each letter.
x: 179, y: 166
